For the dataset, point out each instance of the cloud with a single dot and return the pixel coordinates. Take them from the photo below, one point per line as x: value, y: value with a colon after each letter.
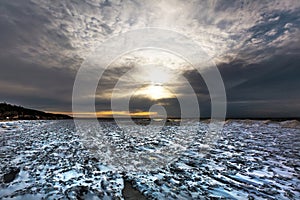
x: 34, y: 86
x: 43, y: 43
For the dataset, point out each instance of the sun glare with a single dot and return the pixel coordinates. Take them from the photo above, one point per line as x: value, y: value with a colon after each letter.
x: 155, y: 92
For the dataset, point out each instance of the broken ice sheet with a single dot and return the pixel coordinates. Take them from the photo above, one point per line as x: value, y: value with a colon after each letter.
x: 252, y: 159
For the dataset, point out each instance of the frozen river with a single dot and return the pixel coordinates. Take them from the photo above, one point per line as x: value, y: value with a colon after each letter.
x: 50, y: 160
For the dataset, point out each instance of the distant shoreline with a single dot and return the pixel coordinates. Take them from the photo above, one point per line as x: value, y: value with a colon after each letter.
x: 202, y: 119
x: 10, y: 112
x: 13, y: 112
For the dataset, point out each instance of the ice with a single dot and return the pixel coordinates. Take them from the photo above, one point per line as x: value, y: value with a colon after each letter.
x: 53, y: 164
x: 261, y: 173
x: 65, y: 176
x: 256, y: 159
x: 252, y: 159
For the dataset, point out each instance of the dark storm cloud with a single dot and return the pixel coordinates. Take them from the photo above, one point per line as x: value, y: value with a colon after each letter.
x: 265, y: 89
x: 269, y: 88
x: 255, y: 45
x: 32, y: 85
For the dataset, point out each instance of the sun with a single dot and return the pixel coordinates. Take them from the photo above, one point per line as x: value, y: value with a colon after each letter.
x: 155, y: 92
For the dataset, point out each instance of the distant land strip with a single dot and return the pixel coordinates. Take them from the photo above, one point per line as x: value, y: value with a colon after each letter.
x: 14, y: 112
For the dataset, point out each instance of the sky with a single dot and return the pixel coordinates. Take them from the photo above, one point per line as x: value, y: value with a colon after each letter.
x: 254, y: 44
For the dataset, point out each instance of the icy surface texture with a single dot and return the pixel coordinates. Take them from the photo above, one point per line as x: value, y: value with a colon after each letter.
x: 139, y: 148
x: 53, y: 164
x: 250, y: 160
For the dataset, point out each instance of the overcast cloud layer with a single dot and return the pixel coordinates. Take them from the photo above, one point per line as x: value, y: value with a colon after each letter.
x: 255, y: 44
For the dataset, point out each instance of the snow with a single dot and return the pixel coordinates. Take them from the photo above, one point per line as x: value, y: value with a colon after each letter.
x: 258, y: 159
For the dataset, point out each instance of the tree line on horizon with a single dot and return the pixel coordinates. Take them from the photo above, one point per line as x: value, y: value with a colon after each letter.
x: 15, y: 112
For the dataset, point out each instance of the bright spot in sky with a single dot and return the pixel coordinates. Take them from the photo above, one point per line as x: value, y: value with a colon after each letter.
x: 154, y: 92
x: 152, y: 74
